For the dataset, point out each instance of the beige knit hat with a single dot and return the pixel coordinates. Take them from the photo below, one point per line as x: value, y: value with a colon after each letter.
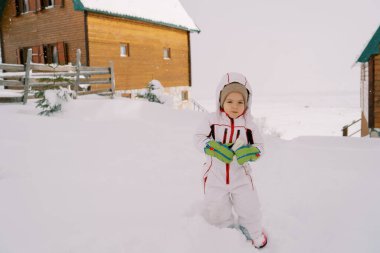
x: 233, y: 87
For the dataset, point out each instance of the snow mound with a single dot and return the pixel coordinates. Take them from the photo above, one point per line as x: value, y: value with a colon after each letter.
x: 123, y: 176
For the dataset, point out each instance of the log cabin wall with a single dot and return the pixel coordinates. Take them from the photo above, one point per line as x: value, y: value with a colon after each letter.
x: 50, y: 26
x: 145, y: 45
x: 376, y: 85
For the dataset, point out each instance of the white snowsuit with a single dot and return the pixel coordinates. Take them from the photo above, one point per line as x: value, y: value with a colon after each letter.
x: 230, y: 185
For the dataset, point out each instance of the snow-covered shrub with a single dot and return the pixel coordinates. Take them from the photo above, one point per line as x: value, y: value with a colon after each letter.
x: 155, y: 93
x: 50, y: 101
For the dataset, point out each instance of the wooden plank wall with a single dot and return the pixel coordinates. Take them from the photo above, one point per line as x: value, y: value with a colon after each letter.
x: 146, y: 41
x: 364, y: 126
x: 49, y: 26
x: 376, y: 78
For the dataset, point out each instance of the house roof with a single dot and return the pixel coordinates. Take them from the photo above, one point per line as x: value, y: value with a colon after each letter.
x: 373, y: 47
x: 163, y: 12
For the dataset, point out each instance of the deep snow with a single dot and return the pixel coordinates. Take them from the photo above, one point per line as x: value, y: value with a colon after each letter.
x: 291, y: 115
x: 123, y: 176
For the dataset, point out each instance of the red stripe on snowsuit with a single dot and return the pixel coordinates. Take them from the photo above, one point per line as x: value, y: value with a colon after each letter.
x: 204, y: 185
x: 205, y: 177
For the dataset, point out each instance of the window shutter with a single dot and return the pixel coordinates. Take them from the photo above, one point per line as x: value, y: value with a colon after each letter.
x: 35, y: 54
x: 16, y: 8
x: 32, y: 5
x: 59, y: 3
x: 41, y: 54
x: 62, y: 56
x: 18, y: 56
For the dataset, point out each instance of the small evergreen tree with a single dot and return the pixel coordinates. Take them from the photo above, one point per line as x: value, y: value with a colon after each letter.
x: 50, y: 101
x: 150, y: 94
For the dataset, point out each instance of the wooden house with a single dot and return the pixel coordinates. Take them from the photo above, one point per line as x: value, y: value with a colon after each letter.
x: 145, y: 39
x: 370, y: 87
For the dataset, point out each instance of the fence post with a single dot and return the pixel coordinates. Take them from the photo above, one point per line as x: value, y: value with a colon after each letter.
x: 77, y: 69
x: 112, y: 79
x: 27, y: 73
x: 345, y: 131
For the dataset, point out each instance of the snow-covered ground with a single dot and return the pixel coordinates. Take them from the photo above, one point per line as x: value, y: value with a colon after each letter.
x: 123, y: 176
x: 309, y: 114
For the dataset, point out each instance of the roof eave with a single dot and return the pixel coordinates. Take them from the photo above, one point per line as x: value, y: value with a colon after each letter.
x: 372, y: 48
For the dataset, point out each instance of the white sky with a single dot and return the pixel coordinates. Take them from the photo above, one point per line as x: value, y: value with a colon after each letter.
x: 282, y: 46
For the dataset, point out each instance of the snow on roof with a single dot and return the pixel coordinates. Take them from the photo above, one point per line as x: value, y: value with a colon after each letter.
x: 164, y: 12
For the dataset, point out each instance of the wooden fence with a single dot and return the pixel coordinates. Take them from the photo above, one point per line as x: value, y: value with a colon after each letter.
x: 345, y: 128
x: 197, y: 106
x: 37, y: 76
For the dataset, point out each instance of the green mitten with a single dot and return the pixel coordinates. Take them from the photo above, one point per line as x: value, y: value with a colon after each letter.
x: 246, y: 154
x: 219, y: 150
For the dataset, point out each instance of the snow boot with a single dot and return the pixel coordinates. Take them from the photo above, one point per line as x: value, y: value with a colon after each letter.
x: 260, y: 241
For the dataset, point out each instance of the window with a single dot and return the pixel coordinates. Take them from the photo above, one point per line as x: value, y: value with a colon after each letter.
x: 47, y: 54
x: 185, y: 95
x: 124, y: 50
x: 167, y: 53
x: 22, y: 6
x: 25, y: 6
x: 37, y: 54
x: 21, y: 55
x: 51, y: 53
x: 47, y: 3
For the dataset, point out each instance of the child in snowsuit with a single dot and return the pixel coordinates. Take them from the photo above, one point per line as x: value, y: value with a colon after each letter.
x: 230, y: 140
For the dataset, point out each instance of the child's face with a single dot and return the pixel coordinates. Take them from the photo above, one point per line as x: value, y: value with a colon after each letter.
x: 234, y: 104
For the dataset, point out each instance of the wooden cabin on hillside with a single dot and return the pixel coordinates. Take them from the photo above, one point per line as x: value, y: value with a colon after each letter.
x: 370, y: 87
x: 145, y: 39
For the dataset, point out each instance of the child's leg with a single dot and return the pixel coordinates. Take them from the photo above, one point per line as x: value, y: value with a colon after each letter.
x: 218, y: 206
x: 247, y: 207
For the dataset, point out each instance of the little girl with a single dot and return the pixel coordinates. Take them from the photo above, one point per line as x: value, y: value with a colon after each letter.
x: 230, y: 141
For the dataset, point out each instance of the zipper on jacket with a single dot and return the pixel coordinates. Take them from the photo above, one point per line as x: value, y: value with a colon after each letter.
x: 231, y: 138
x: 232, y: 130
x: 225, y: 136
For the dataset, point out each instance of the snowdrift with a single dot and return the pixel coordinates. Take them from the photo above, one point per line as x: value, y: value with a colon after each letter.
x: 123, y: 176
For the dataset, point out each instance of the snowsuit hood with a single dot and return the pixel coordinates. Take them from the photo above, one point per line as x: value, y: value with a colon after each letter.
x: 232, y: 77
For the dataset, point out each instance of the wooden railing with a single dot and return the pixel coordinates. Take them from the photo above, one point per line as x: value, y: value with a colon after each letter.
x: 32, y: 75
x: 345, y: 128
x: 197, y: 106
